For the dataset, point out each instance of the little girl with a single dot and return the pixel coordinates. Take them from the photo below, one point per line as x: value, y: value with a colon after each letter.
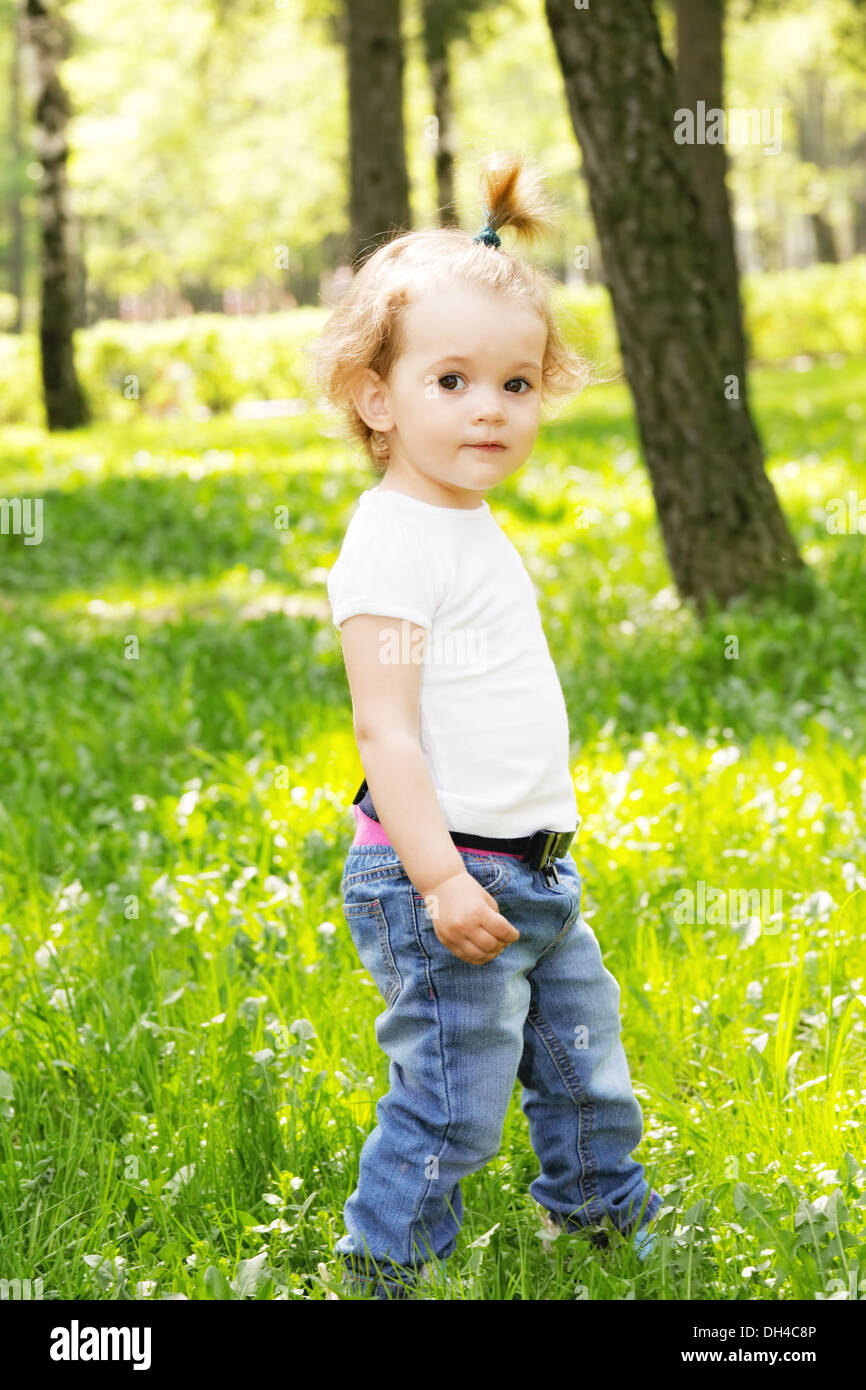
x: 459, y: 889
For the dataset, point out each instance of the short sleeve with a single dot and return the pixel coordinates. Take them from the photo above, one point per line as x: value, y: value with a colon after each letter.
x: 382, y: 569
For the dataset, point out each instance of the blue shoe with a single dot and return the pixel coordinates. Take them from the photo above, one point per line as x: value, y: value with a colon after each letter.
x: 644, y: 1239
x: 428, y: 1274
x: 643, y: 1242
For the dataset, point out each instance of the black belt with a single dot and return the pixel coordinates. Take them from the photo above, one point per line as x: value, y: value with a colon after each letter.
x: 540, y: 850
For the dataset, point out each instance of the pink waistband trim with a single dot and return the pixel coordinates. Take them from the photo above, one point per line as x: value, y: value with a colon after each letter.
x: 370, y: 832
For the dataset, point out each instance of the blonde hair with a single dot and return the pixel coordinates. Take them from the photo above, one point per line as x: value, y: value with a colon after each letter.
x: 366, y: 328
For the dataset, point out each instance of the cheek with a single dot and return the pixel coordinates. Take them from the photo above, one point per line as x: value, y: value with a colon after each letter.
x: 438, y: 415
x: 526, y: 415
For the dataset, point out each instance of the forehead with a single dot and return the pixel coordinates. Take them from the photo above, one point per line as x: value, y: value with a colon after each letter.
x: 473, y: 323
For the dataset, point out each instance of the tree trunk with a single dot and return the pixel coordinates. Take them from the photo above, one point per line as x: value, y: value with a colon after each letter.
x: 825, y: 238
x: 723, y: 529
x: 379, y: 180
x: 436, y: 55
x: 81, y: 266
x: 809, y: 119
x: 47, y: 34
x: 16, y: 215
x: 700, y: 77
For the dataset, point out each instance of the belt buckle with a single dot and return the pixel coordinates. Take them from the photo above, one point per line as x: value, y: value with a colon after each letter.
x: 540, y: 846
x: 545, y: 848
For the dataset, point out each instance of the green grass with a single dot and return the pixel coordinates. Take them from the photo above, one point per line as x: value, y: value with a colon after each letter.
x: 178, y: 764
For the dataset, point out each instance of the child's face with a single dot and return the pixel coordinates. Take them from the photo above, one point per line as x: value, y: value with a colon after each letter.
x: 436, y: 406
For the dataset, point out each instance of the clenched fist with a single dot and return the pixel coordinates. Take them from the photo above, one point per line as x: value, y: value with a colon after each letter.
x: 466, y: 919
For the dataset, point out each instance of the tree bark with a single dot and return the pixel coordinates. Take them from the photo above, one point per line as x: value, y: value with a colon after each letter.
x: 47, y: 34
x: 379, y: 180
x: 16, y: 215
x: 81, y: 267
x: 809, y: 119
x: 436, y: 56
x: 723, y: 529
x: 700, y: 77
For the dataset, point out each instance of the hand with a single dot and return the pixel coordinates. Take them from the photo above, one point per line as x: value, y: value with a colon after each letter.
x: 466, y: 919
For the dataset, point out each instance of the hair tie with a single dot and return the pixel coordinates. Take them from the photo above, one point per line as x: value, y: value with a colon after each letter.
x: 488, y: 232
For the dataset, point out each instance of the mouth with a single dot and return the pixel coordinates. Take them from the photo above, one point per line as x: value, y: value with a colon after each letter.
x: 487, y: 448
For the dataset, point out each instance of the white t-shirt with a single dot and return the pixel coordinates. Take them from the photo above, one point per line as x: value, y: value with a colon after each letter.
x: 493, y: 723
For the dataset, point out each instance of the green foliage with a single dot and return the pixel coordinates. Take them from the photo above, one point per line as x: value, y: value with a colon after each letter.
x: 204, y: 363
x: 211, y: 362
x: 189, y: 1061
x: 816, y: 311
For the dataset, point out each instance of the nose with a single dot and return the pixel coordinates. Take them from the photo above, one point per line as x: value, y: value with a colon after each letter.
x: 488, y: 406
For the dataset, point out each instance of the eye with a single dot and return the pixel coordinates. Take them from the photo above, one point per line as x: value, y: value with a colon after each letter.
x: 519, y: 393
x: 450, y: 376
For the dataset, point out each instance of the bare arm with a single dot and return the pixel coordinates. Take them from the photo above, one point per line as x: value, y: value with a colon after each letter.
x: 385, y: 704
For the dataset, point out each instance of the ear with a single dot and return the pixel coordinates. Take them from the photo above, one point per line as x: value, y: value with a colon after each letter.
x: 370, y: 394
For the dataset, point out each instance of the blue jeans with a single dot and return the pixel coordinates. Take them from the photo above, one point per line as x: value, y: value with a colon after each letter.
x: 544, y: 1011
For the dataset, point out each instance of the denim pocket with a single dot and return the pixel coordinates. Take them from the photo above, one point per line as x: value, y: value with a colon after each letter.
x: 489, y: 872
x: 369, y: 929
